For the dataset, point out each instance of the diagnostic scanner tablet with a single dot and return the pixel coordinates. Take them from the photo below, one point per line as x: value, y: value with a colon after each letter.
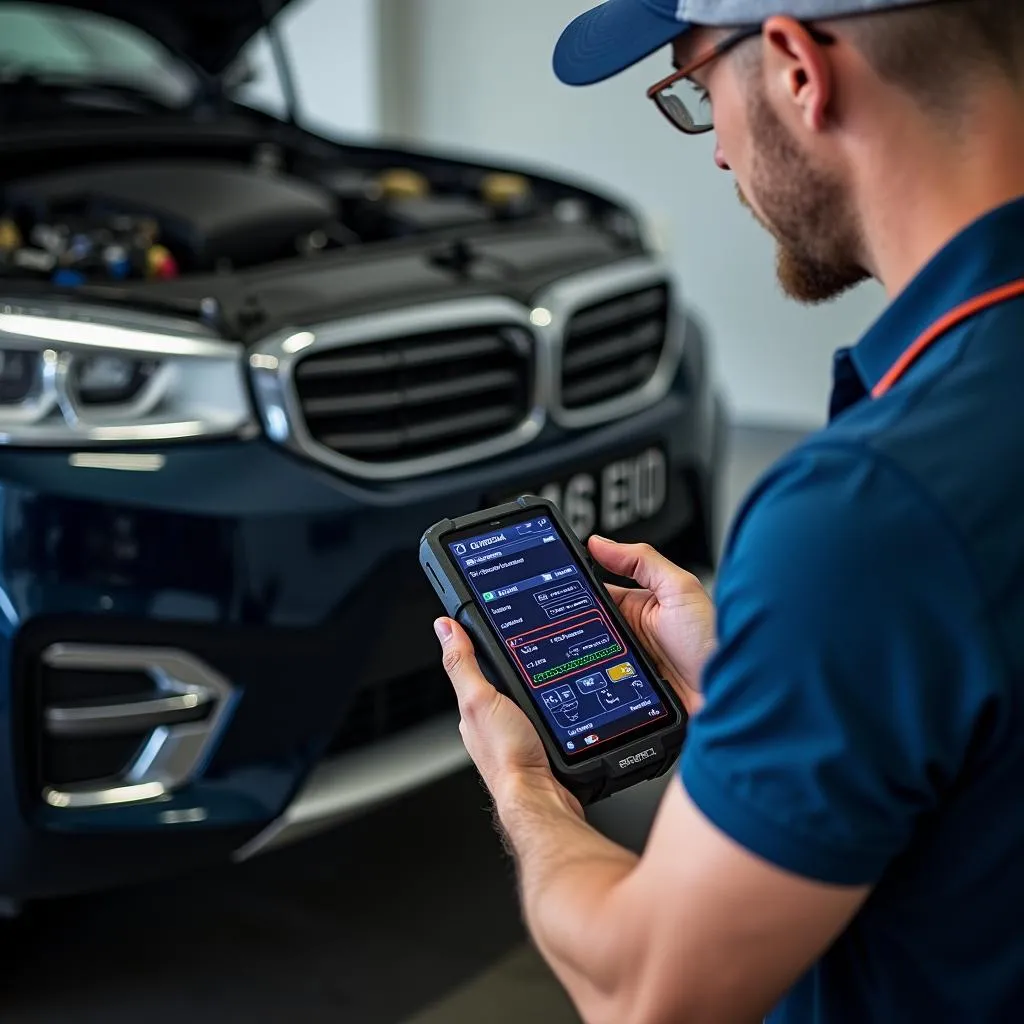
x: 548, y: 635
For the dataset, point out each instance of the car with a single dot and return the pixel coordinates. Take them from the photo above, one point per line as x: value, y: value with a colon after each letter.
x: 243, y: 366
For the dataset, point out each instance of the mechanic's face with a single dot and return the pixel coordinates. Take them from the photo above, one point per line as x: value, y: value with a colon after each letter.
x: 807, y: 209
x: 803, y: 204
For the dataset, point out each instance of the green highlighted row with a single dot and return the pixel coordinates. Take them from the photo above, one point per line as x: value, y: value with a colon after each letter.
x: 570, y: 666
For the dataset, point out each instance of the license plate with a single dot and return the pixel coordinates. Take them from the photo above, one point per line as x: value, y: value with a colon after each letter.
x: 611, y: 497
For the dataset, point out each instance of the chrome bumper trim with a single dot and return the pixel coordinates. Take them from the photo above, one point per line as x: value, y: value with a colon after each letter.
x: 129, y: 717
x: 174, y: 747
x: 346, y: 786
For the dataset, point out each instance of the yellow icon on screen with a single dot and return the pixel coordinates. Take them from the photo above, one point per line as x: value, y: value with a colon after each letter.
x: 623, y: 671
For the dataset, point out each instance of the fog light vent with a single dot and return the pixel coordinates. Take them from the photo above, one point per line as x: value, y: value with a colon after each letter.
x: 123, y: 724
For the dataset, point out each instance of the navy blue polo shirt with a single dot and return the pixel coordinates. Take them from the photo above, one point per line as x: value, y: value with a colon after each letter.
x: 864, y: 716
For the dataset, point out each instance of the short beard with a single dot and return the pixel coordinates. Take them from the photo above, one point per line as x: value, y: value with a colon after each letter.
x: 806, y: 211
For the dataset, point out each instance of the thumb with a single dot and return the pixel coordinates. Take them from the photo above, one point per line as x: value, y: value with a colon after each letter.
x: 459, y: 660
x: 639, y: 562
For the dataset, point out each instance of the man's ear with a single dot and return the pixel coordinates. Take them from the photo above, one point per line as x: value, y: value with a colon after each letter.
x: 798, y: 71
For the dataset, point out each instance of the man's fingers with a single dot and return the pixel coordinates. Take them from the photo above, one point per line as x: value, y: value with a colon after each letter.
x: 638, y: 562
x: 474, y: 692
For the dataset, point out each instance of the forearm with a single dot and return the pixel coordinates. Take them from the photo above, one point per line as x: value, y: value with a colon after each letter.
x: 568, y: 874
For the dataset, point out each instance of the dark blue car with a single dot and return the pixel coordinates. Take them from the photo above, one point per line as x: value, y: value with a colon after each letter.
x: 242, y: 367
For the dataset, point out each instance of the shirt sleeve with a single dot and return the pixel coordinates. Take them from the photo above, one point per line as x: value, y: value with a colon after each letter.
x: 853, y: 667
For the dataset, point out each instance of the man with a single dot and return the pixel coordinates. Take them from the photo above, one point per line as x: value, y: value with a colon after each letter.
x: 844, y: 838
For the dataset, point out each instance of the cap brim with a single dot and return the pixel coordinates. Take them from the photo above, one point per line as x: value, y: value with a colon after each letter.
x: 611, y: 38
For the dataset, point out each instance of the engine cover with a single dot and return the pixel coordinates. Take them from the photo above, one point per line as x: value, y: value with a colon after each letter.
x: 210, y: 211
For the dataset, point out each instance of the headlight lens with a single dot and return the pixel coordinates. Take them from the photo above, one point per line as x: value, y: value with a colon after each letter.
x: 20, y: 375
x: 110, y: 380
x: 69, y: 376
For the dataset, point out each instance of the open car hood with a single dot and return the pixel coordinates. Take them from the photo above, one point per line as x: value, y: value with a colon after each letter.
x: 209, y: 32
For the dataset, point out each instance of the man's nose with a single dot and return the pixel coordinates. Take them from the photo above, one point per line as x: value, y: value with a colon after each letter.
x: 720, y: 159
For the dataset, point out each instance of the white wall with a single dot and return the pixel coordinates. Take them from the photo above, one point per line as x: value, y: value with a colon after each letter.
x: 333, y: 49
x: 476, y: 74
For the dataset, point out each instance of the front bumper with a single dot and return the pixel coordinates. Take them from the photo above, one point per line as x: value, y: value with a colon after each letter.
x: 301, y: 590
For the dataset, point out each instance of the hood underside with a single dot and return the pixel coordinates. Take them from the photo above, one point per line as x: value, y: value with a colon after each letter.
x: 208, y: 32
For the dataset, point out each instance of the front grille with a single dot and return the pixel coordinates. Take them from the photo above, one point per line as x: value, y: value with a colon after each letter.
x: 388, y: 708
x: 612, y: 348
x: 418, y: 395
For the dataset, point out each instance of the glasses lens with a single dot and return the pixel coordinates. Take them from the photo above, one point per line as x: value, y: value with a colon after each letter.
x: 688, y: 106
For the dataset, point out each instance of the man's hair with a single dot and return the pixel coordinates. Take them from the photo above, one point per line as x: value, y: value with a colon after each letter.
x: 933, y: 51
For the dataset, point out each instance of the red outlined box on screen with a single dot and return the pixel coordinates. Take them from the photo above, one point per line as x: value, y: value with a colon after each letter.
x: 553, y: 629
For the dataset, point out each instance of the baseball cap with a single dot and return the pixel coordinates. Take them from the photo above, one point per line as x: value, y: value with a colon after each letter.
x: 620, y: 33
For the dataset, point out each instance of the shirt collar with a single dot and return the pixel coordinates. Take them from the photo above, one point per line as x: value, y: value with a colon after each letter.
x: 847, y: 387
x: 985, y: 255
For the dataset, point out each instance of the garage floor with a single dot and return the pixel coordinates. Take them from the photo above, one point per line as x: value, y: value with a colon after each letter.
x: 407, y: 916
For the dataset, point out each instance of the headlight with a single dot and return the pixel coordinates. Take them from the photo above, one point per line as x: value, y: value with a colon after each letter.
x: 70, y: 375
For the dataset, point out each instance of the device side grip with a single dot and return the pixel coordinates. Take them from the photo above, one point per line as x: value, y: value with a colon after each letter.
x: 490, y: 657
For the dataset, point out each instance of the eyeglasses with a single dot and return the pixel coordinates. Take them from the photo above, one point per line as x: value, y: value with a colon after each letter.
x: 686, y: 104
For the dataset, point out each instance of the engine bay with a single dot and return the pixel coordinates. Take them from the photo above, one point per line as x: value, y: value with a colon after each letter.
x: 162, y: 218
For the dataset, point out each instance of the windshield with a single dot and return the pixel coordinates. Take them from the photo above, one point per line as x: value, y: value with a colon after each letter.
x: 67, y: 46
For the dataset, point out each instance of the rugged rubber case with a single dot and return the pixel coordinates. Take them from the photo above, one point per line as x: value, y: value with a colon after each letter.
x: 604, y: 774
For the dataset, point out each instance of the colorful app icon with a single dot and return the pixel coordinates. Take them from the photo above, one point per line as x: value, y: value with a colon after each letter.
x: 621, y: 671
x: 592, y: 738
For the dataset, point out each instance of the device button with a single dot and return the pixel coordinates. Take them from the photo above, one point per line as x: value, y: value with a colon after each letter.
x: 621, y: 671
x: 568, y: 714
x: 587, y: 684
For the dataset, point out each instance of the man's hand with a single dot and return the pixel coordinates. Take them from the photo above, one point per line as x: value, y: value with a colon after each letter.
x: 500, y: 739
x: 672, y: 616
x: 671, y: 613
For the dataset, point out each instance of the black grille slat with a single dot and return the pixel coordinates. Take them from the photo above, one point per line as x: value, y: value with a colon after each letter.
x: 469, y: 348
x: 361, y: 362
x: 421, y: 395
x: 609, y: 384
x: 614, y: 347
x: 639, y: 339
x: 358, y: 360
x: 618, y: 311
x: 437, y: 430
x: 418, y: 395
